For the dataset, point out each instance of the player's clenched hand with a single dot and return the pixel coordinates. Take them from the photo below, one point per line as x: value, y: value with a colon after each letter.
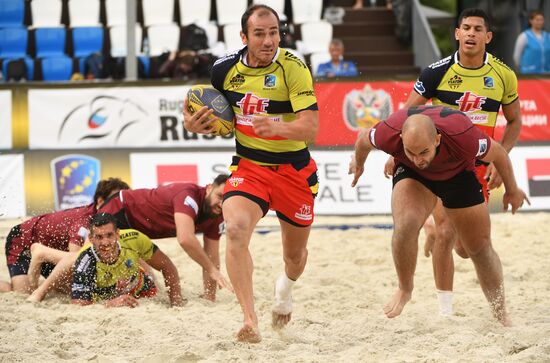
x: 122, y: 300
x: 355, y: 169
x: 263, y: 126
x: 199, y: 122
x: 493, y: 177
x: 515, y: 199
x: 222, y: 282
x: 388, y: 167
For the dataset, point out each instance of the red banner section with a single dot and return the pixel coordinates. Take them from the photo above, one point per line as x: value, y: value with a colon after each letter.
x: 346, y: 107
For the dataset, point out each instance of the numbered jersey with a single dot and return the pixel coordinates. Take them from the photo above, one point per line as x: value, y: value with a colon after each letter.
x: 477, y: 92
x: 277, y: 91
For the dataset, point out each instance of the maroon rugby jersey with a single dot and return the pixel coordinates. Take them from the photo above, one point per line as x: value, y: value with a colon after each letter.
x: 58, y: 229
x: 461, y: 142
x: 151, y: 211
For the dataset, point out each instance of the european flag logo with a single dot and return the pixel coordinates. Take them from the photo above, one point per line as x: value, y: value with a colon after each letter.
x: 74, y: 178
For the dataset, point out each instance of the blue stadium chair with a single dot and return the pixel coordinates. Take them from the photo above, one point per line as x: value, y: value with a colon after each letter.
x: 28, y: 61
x: 13, y: 42
x: 12, y: 13
x: 87, y: 40
x: 59, y: 68
x: 50, y: 42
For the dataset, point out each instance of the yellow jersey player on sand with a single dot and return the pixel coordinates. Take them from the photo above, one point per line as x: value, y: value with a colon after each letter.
x: 271, y: 91
x: 476, y: 83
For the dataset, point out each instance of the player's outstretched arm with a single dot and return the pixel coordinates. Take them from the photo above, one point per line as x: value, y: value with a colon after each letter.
x: 362, y: 150
x: 212, y: 249
x: 513, y: 195
x: 185, y: 234
x: 160, y: 262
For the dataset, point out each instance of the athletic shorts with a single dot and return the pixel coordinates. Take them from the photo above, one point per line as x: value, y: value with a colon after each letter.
x: 18, y: 255
x: 481, y: 169
x: 461, y: 191
x: 113, y: 205
x: 288, y: 189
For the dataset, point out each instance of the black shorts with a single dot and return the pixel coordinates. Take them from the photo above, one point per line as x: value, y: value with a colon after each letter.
x: 461, y: 191
x: 18, y: 255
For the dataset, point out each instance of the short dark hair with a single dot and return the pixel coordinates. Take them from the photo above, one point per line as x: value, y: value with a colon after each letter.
x: 101, y: 219
x: 220, y: 179
x: 534, y: 13
x: 106, y: 187
x: 264, y: 9
x: 467, y: 13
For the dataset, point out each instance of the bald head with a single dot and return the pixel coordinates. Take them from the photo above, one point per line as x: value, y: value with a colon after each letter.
x: 418, y: 127
x: 420, y: 139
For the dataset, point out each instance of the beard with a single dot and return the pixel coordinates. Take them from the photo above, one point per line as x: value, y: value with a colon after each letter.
x: 208, y: 212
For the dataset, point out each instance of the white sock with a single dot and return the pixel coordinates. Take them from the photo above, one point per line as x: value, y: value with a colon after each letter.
x: 445, y: 299
x: 283, y: 286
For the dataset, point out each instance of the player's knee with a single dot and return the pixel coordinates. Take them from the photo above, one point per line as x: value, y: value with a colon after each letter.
x: 36, y: 250
x: 404, y: 232
x: 445, y: 235
x: 296, y: 258
x: 236, y: 233
x: 479, y: 248
x: 461, y: 251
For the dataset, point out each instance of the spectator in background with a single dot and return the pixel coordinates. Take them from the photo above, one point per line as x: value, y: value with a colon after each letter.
x: 532, y: 50
x: 337, y: 66
x: 180, y: 65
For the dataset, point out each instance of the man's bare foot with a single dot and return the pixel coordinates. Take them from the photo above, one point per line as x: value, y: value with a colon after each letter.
x: 249, y: 334
x: 33, y: 299
x: 5, y: 286
x: 395, y: 306
x: 282, y: 307
x: 278, y: 321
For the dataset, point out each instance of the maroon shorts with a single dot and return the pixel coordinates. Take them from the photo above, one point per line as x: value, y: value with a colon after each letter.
x: 18, y: 253
x: 288, y: 189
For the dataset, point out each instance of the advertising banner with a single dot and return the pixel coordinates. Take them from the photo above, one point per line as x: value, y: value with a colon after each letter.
x: 59, y: 179
x: 532, y: 170
x: 74, y: 178
x: 346, y: 107
x: 335, y: 196
x: 125, y: 117
x: 5, y: 120
x: 12, y: 186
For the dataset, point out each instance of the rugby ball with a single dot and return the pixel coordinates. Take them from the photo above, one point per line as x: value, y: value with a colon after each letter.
x: 205, y: 95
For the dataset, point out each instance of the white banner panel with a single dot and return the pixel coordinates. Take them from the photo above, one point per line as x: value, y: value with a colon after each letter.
x: 336, y: 196
x: 112, y: 117
x: 532, y: 170
x: 12, y: 186
x: 5, y: 120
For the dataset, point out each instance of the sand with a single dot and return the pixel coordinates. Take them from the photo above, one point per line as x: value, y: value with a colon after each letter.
x: 338, y: 308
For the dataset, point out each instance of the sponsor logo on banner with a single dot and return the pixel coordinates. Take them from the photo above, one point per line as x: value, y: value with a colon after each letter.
x: 538, y: 175
x: 103, y: 117
x: 366, y: 107
x: 5, y: 120
x: 74, y: 178
x: 182, y: 173
x: 112, y: 117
